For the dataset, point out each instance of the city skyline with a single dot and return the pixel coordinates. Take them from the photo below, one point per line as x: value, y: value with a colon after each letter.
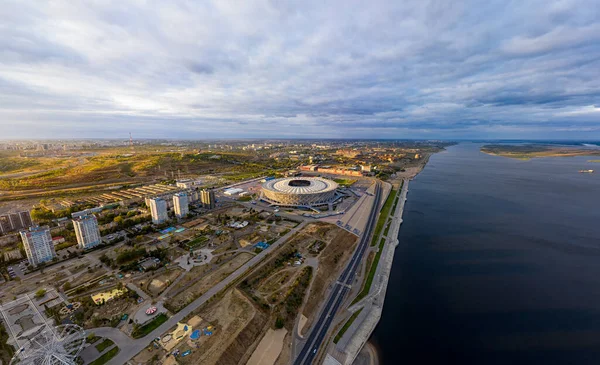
x: 308, y: 70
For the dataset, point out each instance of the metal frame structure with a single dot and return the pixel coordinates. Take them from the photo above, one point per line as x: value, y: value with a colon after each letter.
x: 53, y: 346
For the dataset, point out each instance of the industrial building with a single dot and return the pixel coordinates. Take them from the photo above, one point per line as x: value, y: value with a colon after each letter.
x: 87, y: 232
x: 15, y: 221
x: 207, y: 197
x: 181, y: 205
x: 38, y: 245
x: 158, y: 209
x: 232, y: 191
x: 299, y: 191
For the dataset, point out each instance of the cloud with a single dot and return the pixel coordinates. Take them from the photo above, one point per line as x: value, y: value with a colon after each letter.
x: 333, y: 69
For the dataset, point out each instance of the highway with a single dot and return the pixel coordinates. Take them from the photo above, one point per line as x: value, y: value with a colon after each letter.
x: 341, y: 288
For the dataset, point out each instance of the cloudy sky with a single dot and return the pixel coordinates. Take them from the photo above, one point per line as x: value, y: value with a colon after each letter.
x: 325, y: 68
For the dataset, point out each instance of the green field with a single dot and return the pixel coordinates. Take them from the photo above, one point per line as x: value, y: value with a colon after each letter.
x: 104, y: 345
x: 197, y: 241
x: 106, y: 357
x: 149, y: 327
x: 365, y: 290
x: 344, y: 182
x: 346, y: 325
x: 385, y: 211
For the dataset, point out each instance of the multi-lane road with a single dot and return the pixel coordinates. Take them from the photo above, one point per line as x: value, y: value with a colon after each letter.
x: 340, y: 290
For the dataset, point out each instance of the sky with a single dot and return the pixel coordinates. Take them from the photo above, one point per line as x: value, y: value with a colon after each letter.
x: 300, y: 69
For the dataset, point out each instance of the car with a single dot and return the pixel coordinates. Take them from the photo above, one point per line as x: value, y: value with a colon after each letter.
x: 314, y: 351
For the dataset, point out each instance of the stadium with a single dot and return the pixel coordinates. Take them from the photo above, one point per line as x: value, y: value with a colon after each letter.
x: 299, y: 191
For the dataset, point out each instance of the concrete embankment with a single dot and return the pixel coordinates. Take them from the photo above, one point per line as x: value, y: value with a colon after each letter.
x: 355, y: 338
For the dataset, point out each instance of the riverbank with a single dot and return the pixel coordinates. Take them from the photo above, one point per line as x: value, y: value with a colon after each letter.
x: 529, y: 151
x: 371, y: 306
x: 471, y: 283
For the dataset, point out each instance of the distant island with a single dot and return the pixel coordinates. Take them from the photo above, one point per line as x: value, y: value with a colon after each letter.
x: 528, y: 151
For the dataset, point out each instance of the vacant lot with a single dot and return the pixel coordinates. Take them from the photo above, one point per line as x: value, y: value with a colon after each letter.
x: 237, y: 327
x: 155, y: 285
x: 331, y: 261
x: 196, y: 289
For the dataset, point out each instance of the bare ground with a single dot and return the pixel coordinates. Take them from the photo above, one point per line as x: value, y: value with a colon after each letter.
x: 199, y: 287
x: 331, y: 261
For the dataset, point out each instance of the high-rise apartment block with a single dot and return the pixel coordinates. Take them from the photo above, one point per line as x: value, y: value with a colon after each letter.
x: 38, y: 245
x: 158, y: 209
x: 86, y: 231
x: 180, y: 203
x: 207, y: 198
x: 15, y: 221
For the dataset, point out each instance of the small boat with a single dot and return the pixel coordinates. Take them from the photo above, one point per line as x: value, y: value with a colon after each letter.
x: 586, y: 171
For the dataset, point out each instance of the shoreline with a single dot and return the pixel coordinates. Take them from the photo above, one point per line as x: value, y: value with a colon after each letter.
x: 371, y: 306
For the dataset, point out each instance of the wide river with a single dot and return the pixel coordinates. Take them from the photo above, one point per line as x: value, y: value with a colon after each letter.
x: 498, y: 263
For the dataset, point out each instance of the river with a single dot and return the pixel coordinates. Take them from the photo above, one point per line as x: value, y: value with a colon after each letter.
x: 498, y: 263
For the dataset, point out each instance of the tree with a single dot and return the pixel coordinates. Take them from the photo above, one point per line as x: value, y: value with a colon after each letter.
x: 40, y: 293
x: 67, y: 286
x: 279, y: 323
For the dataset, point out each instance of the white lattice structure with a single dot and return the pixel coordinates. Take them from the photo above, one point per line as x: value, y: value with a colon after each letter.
x: 53, y: 346
x: 299, y: 191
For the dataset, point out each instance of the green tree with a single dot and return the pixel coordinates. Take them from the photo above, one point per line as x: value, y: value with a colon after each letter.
x: 40, y: 293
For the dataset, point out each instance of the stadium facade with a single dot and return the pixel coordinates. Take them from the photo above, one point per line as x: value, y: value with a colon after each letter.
x: 299, y: 191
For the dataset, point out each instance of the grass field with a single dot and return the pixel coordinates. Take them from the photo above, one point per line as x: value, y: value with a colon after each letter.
x: 369, y: 281
x: 104, y: 345
x: 149, y: 327
x: 346, y: 325
x: 344, y: 182
x: 197, y: 241
x: 106, y: 357
x: 385, y: 211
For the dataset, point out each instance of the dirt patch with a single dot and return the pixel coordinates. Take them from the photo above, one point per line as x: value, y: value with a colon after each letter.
x: 18, y: 309
x: 233, y: 318
x: 156, y: 285
x: 302, y: 322
x: 189, y: 278
x: 199, y: 287
x: 269, y: 348
x: 331, y: 261
x: 286, y: 351
x: 26, y: 322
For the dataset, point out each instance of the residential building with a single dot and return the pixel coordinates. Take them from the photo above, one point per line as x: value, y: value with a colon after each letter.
x: 38, y: 245
x: 15, y: 221
x: 87, y: 231
x: 158, y: 209
x: 207, y: 198
x: 180, y: 203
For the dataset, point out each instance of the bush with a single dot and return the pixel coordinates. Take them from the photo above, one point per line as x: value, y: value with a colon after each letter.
x: 40, y: 293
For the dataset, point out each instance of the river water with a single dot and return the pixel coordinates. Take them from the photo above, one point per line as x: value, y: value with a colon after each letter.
x: 498, y: 263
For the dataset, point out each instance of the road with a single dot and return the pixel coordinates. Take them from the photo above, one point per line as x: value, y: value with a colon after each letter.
x: 129, y: 347
x: 341, y: 288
